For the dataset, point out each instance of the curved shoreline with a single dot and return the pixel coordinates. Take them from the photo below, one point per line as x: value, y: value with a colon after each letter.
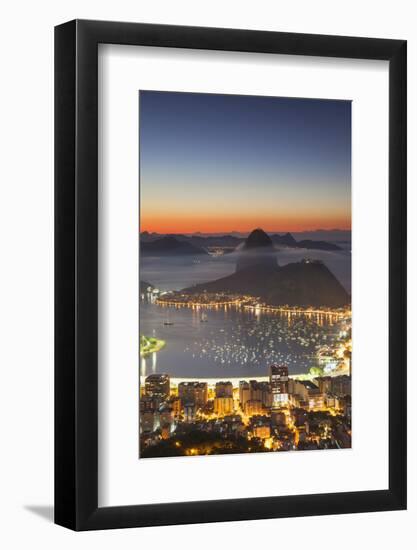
x: 270, y: 309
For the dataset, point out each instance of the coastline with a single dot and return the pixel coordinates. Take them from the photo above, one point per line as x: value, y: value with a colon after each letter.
x: 211, y: 382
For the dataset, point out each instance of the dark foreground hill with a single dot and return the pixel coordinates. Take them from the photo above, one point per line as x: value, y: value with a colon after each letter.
x: 305, y: 283
x: 297, y: 284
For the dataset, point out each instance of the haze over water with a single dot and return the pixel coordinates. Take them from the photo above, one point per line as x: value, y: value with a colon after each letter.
x: 175, y: 273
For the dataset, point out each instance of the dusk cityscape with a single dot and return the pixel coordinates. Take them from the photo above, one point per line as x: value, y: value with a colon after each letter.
x: 245, y: 274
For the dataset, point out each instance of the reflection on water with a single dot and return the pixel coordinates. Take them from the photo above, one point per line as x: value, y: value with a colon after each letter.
x: 148, y: 364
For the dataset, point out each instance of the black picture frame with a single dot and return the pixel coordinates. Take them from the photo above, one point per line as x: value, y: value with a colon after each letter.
x: 76, y: 272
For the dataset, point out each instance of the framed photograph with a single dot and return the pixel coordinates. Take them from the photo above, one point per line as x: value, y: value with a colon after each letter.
x: 230, y: 244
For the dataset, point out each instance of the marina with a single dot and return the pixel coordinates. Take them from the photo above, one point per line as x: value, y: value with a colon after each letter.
x: 234, y: 341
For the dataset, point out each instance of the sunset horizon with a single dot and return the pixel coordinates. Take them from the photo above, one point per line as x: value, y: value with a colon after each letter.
x: 246, y: 230
x: 211, y: 163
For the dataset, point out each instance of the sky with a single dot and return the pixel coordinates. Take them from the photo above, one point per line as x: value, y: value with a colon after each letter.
x: 219, y: 163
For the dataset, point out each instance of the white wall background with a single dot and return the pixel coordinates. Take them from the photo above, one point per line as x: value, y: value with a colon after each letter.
x: 26, y: 274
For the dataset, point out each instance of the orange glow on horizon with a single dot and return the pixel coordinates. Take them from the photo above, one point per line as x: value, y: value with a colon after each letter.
x: 222, y: 225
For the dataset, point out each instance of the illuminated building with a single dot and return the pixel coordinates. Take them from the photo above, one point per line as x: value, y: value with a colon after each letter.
x: 324, y: 383
x: 166, y: 431
x: 332, y: 401
x: 316, y: 400
x: 224, y: 389
x: 157, y: 385
x: 260, y: 391
x: 348, y: 362
x: 299, y: 390
x: 309, y: 395
x: 255, y: 390
x: 262, y: 431
x: 294, y: 400
x: 193, y: 392
x: 244, y: 393
x: 266, y: 394
x: 223, y: 405
x: 260, y: 427
x: 278, y: 376
x: 253, y: 406
x: 189, y: 412
x: 303, y: 390
x: 149, y: 404
x: 175, y: 403
x: 310, y: 387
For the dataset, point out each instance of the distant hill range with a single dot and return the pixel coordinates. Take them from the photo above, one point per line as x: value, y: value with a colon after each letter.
x: 230, y: 241
x: 170, y: 246
x: 288, y: 240
x: 306, y: 283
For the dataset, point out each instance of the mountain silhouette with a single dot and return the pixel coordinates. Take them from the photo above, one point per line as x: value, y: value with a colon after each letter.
x: 234, y: 240
x: 317, y: 245
x: 257, y: 250
x: 305, y: 283
x: 285, y: 240
x: 170, y: 246
x: 257, y: 239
